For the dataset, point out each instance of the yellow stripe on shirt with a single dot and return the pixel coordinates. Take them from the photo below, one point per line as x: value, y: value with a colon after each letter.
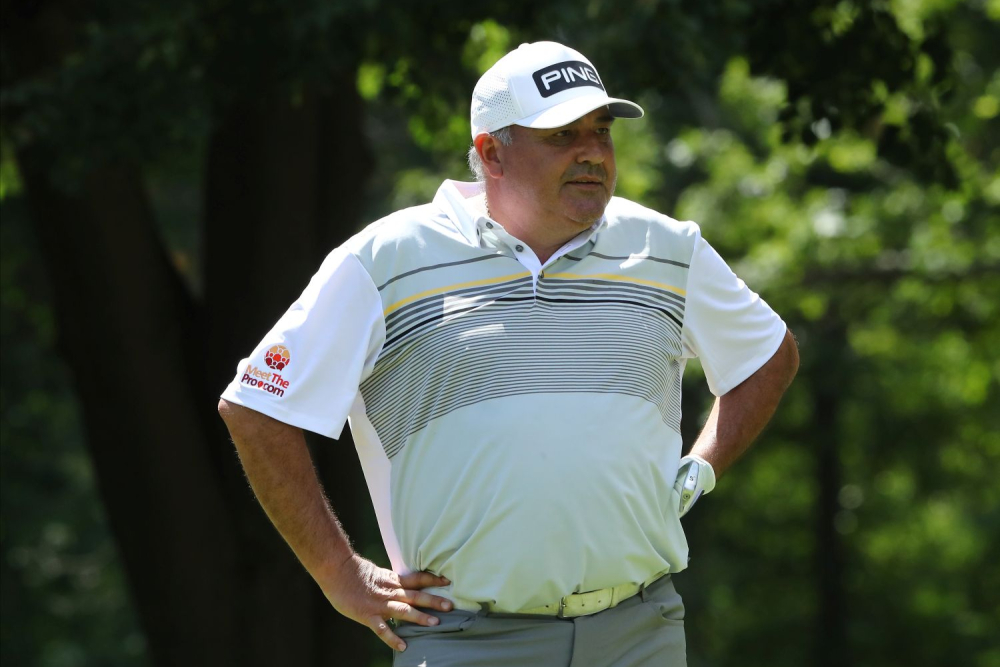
x: 449, y: 288
x: 623, y: 279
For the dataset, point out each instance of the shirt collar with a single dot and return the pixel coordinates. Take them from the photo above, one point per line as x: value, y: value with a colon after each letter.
x: 457, y: 200
x: 463, y: 203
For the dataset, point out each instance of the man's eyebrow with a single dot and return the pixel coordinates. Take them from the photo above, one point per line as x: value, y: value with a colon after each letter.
x: 606, y: 119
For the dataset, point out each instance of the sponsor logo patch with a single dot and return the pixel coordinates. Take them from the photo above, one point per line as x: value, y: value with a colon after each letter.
x: 278, y: 357
x: 563, y: 76
x: 272, y: 383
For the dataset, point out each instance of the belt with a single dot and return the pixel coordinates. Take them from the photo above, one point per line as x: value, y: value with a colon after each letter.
x: 583, y: 604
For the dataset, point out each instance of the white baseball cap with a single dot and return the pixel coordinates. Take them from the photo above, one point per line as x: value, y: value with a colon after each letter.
x: 541, y: 85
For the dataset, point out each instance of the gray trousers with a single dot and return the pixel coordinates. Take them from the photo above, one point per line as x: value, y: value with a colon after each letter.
x: 647, y: 630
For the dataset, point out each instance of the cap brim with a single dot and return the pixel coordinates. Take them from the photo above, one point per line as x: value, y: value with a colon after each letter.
x: 574, y: 109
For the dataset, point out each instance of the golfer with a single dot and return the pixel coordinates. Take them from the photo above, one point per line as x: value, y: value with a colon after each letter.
x: 509, y: 357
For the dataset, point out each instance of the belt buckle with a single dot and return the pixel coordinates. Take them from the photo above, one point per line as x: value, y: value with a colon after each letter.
x: 562, y: 608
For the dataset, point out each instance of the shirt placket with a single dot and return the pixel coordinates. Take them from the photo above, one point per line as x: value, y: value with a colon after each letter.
x: 493, y: 235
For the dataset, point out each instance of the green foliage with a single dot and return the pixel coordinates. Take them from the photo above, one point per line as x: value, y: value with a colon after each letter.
x: 866, y: 214
x: 912, y: 275
x: 841, y: 155
x: 10, y: 179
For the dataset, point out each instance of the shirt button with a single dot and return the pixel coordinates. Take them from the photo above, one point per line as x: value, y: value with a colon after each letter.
x: 519, y: 248
x: 489, y: 225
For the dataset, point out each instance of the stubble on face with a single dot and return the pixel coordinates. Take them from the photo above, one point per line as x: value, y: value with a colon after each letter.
x: 562, y: 178
x: 586, y: 191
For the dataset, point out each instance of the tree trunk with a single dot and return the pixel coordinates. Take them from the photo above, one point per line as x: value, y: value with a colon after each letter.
x: 831, y: 645
x: 124, y: 327
x: 212, y: 582
x: 283, y: 188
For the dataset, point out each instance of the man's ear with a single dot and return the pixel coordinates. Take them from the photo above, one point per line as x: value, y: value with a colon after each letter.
x: 487, y: 146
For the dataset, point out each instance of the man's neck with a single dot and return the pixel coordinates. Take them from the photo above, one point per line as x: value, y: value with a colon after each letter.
x: 544, y: 238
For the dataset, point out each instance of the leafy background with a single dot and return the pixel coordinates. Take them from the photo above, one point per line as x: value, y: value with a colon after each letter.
x: 841, y: 155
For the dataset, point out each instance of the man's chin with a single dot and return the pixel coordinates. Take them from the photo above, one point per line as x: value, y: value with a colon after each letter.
x: 588, y: 214
x: 586, y: 207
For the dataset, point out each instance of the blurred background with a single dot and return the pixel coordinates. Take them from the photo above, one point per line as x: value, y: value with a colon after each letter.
x: 173, y: 172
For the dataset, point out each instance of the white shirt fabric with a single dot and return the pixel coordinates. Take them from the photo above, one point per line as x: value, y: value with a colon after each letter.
x: 518, y: 423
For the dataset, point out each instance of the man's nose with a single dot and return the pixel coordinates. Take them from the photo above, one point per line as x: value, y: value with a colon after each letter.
x: 593, y: 149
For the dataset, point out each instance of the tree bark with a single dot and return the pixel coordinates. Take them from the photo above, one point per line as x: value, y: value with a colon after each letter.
x: 831, y: 645
x: 126, y: 326
x: 283, y: 188
x: 124, y: 329
x: 211, y: 580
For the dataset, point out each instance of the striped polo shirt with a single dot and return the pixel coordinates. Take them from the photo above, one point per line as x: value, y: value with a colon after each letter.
x: 518, y: 423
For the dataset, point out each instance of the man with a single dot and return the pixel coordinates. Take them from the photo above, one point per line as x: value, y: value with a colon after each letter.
x: 510, y: 359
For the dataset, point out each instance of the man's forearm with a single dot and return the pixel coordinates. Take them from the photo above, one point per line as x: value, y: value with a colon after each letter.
x: 739, y: 416
x: 280, y: 470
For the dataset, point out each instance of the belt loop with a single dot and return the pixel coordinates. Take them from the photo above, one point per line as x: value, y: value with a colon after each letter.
x: 642, y: 591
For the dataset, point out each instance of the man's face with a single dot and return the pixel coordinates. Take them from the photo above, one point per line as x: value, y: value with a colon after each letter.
x: 561, y: 175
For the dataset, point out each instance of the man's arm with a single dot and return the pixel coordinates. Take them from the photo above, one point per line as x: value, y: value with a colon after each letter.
x: 740, y: 415
x: 280, y: 470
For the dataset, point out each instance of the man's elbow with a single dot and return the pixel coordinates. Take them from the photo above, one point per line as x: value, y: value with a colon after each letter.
x: 225, y: 410
x: 790, y: 356
x: 243, y: 421
x: 233, y: 413
x: 240, y: 421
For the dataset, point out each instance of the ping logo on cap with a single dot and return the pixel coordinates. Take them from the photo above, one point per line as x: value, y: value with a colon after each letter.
x: 562, y: 76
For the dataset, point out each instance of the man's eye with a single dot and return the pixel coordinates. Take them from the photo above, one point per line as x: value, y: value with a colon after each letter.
x: 561, y: 133
x: 604, y: 130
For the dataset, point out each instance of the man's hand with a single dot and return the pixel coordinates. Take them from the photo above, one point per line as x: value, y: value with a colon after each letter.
x: 372, y: 595
x: 695, y: 477
x: 280, y: 470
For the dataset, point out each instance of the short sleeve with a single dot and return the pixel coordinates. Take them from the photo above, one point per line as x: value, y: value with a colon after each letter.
x: 729, y: 327
x: 306, y: 370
